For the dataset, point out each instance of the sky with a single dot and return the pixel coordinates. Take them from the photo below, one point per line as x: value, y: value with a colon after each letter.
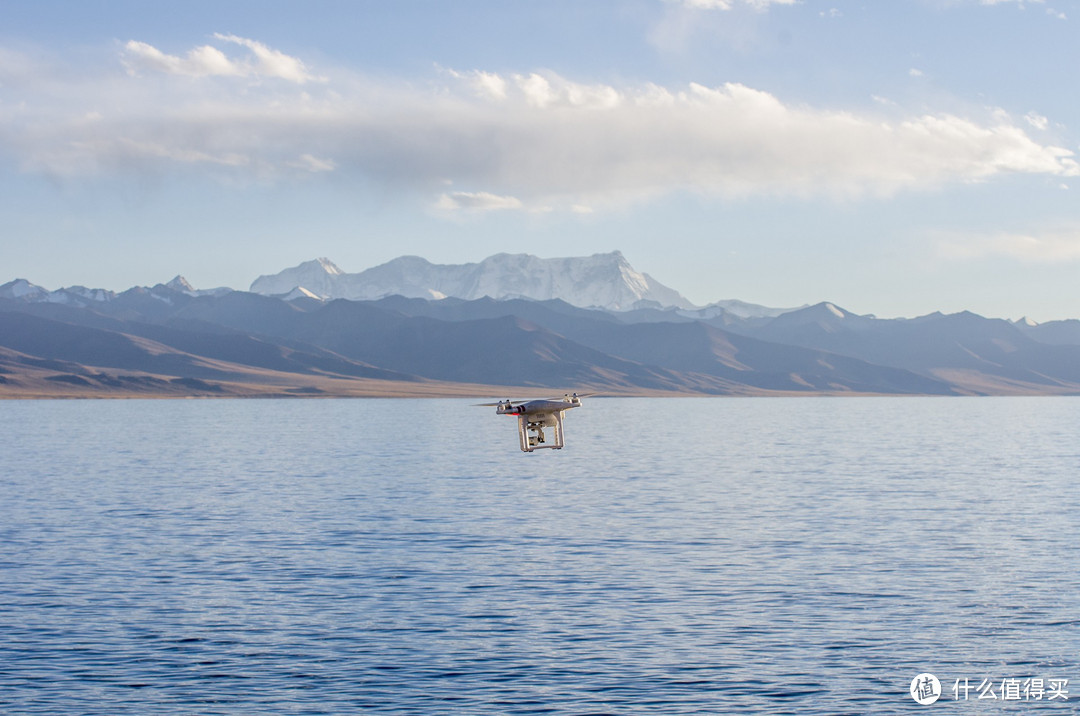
x: 895, y: 158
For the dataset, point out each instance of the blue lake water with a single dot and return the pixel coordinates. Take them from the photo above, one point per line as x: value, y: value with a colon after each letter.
x: 805, y: 555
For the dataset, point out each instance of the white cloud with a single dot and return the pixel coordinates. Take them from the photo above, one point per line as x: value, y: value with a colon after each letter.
x: 537, y: 90
x: 272, y: 63
x: 208, y: 61
x: 729, y: 4
x: 705, y: 4
x: 199, y: 62
x: 1037, y: 120
x: 476, y: 201
x: 1051, y: 247
x: 549, y: 90
x: 485, y: 84
x: 96, y: 154
x: 14, y: 64
x: 1022, y: 4
x: 313, y: 164
x: 532, y: 140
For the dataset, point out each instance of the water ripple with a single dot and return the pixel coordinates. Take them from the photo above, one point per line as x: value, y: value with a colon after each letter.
x: 768, y: 556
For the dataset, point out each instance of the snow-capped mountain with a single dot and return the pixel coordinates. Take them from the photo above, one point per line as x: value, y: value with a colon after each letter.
x: 180, y: 341
x: 734, y: 307
x: 318, y: 277
x: 603, y: 281
x: 80, y: 296
x: 22, y: 290
x: 179, y: 283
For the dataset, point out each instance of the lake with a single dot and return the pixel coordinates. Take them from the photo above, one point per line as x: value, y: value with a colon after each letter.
x: 679, y: 556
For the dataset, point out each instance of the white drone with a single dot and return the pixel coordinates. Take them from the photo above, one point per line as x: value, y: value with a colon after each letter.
x: 535, y: 415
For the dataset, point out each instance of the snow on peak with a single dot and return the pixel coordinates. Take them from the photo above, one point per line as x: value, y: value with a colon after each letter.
x: 329, y: 266
x: 299, y: 292
x: 317, y: 276
x: 179, y: 283
x: 739, y: 309
x: 80, y: 295
x: 602, y: 280
x: 831, y: 307
x: 22, y: 289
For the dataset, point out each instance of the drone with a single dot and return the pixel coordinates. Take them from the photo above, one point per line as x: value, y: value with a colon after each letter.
x: 535, y: 415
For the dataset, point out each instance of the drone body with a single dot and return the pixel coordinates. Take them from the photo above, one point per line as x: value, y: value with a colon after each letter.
x: 535, y: 415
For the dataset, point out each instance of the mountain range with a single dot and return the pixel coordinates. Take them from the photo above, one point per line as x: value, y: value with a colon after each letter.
x: 600, y: 281
x: 509, y: 325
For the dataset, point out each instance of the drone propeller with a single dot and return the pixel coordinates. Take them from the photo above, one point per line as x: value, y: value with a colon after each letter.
x: 508, y: 401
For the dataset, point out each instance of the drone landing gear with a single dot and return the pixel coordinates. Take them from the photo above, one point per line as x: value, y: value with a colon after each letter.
x: 531, y: 431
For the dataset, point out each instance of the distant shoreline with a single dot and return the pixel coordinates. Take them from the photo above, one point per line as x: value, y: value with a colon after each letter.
x: 388, y: 390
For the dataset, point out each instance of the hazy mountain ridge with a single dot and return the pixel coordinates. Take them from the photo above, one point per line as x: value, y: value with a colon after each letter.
x: 171, y: 339
x: 22, y: 290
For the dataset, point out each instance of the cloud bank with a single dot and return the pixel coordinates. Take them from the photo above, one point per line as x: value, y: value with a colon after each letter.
x: 527, y: 140
x: 477, y: 201
x: 1058, y: 246
x: 208, y: 61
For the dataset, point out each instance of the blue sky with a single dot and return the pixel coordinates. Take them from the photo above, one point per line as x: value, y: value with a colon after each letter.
x: 895, y: 158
